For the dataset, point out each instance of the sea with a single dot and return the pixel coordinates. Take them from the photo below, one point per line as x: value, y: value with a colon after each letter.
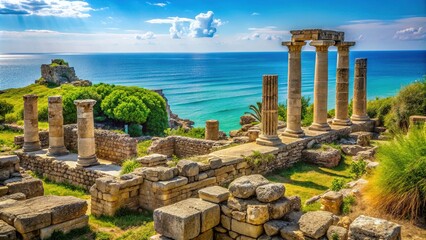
x: 203, y: 86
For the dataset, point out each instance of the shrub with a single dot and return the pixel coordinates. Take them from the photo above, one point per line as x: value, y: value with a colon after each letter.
x: 282, y: 112
x: 308, y: 118
x: 143, y: 147
x: 69, y: 108
x: 135, y: 130
x: 411, y: 100
x: 129, y: 166
x: 43, y: 113
x: 347, y: 204
x: 337, y: 184
x: 358, y: 168
x: 398, y: 186
x: 256, y: 111
x: 121, y: 106
x: 257, y: 158
x: 193, y: 132
x: 379, y: 108
x: 5, y: 108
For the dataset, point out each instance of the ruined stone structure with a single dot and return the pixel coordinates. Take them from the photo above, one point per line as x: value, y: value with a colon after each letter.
x: 212, y: 130
x: 86, y: 133
x: 360, y: 91
x: 269, y: 136
x: 31, y: 139
x: 56, y: 127
x: 58, y: 72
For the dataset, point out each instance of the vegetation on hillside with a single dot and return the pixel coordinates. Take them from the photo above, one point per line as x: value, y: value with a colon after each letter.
x: 197, y: 132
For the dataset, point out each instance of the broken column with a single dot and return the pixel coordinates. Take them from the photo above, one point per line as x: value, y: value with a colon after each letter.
x: 294, y: 88
x: 212, y: 130
x: 342, y: 84
x: 86, y: 133
x: 360, y: 91
x: 56, y: 127
x: 269, y: 135
x: 31, y: 138
x: 321, y: 85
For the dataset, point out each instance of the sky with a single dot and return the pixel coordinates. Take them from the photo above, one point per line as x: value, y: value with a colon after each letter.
x: 46, y: 26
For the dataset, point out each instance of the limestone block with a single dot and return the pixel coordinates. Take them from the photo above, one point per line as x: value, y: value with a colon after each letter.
x: 225, y: 221
x: 214, y: 194
x: 291, y: 231
x: 245, y: 187
x: 210, y: 212
x: 8, y: 160
x: 220, y: 229
x: 207, y: 235
x: 239, y: 204
x: 7, y: 232
x: 159, y: 237
x: 279, y: 208
x: 240, y: 216
x: 177, y: 222
x: 340, y: 232
x: 352, y: 150
x: 257, y: 214
x: 103, y: 183
x: 3, y: 190
x: 296, y: 202
x: 222, y: 236
x: 29, y: 186
x: 14, y: 196
x: 158, y: 173
x: 246, y: 229
x: 331, y: 201
x: 270, y: 192
x: 329, y: 157
x: 188, y: 168
x: 273, y: 227
x: 170, y: 184
x: 67, y: 208
x: 29, y: 222
x: 64, y: 227
x: 315, y: 224
x: 215, y: 162
x: 364, y: 227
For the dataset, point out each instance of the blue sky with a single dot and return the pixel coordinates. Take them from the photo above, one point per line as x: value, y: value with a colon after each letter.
x: 203, y: 25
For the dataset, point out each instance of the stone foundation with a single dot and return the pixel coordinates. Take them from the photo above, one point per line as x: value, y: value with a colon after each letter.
x: 182, y: 146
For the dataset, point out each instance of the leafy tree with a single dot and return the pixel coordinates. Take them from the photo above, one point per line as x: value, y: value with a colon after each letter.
x: 256, y: 111
x: 5, y: 108
x: 282, y: 112
x: 121, y: 106
x: 69, y: 108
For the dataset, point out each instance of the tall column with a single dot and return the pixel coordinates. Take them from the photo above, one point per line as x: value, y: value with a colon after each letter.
x: 86, y: 133
x: 294, y: 89
x: 31, y: 138
x: 56, y: 127
x: 269, y: 135
x: 212, y: 130
x: 360, y: 91
x: 342, y: 84
x: 321, y: 85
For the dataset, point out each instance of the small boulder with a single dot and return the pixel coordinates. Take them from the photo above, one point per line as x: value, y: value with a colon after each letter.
x: 273, y: 227
x: 336, y: 232
x: 247, y: 119
x: 315, y: 224
x: 214, y: 194
x: 245, y: 187
x: 270, y: 192
x: 188, y: 168
x: 352, y: 150
x: 331, y: 201
x: 326, y: 157
x: 364, y: 227
x: 257, y: 214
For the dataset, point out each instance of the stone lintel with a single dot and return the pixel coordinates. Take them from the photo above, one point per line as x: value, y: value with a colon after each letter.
x: 290, y: 43
x: 320, y: 43
x: 345, y: 44
x: 316, y: 34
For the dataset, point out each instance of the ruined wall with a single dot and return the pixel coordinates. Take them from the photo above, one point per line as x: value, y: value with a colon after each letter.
x: 181, y: 146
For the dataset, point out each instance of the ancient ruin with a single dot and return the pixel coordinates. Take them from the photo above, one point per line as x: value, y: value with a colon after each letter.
x: 86, y: 133
x: 56, y: 127
x: 31, y: 139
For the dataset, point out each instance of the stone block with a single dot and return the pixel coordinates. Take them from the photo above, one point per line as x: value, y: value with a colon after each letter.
x: 170, y: 184
x: 291, y: 231
x: 159, y: 237
x: 29, y: 186
x: 279, y: 208
x: 7, y: 232
x: 270, y: 192
x: 207, y: 235
x: 225, y: 221
x: 67, y: 208
x: 64, y: 227
x: 315, y: 224
x: 158, y: 173
x: 340, y: 232
x: 210, y: 212
x: 245, y: 187
x: 8, y: 160
x: 329, y: 157
x: 273, y: 227
x: 332, y: 201
x: 215, y: 162
x: 177, y: 221
x: 3, y: 190
x: 257, y: 214
x: 352, y: 150
x: 364, y: 227
x: 15, y: 196
x: 246, y: 229
x: 188, y: 168
x: 29, y: 222
x: 214, y: 194
x: 240, y: 216
x: 239, y: 204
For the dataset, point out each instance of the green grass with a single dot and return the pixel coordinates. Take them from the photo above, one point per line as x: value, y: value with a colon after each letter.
x: 6, y: 140
x: 307, y: 180
x: 143, y: 148
x: 129, y: 166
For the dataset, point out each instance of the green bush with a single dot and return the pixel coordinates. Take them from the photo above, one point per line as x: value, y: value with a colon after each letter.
x: 308, y: 117
x: 129, y: 166
x: 121, y: 106
x: 358, y: 168
x: 282, y: 112
x: 5, y: 108
x: 78, y: 93
x: 257, y: 158
x: 347, y: 204
x: 43, y: 113
x: 337, y: 184
x: 193, y: 132
x: 411, y: 100
x: 398, y: 186
x: 135, y: 130
x: 379, y: 108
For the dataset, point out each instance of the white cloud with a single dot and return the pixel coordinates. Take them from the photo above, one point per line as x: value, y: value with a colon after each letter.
x: 40, y: 31
x: 411, y: 33
x: 145, y: 36
x: 255, y: 14
x: 57, y: 8
x: 204, y: 25
x: 266, y: 33
x: 159, y: 4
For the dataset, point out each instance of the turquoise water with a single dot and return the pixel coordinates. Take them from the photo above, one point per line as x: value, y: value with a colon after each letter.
x: 215, y: 85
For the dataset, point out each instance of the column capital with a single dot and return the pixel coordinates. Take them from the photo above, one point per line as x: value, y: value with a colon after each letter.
x: 361, y: 62
x: 30, y: 97
x: 54, y: 99
x: 294, y: 46
x: 344, y: 46
x: 322, y: 45
x: 85, y: 103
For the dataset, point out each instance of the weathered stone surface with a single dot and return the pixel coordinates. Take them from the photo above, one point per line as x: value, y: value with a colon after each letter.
x: 207, y: 235
x: 245, y: 187
x: 329, y: 157
x: 362, y: 138
x: 225, y: 221
x: 294, y: 216
x: 246, y: 119
x: 159, y: 237
x: 315, y: 224
x: 7, y: 232
x: 296, y: 202
x: 241, y: 204
x: 331, y: 201
x: 291, y: 232
x: 340, y: 232
x: 240, y: 216
x: 210, y: 212
x: 257, y: 214
x: 215, y: 162
x: 188, y: 168
x: 246, y: 229
x: 279, y: 208
x: 352, y: 150
x: 29, y: 222
x: 64, y: 227
x: 14, y: 196
x: 158, y: 173
x: 364, y: 227
x: 170, y: 184
x: 66, y: 208
x: 273, y: 227
x: 29, y: 186
x: 214, y: 194
x: 270, y: 192
x: 8, y: 161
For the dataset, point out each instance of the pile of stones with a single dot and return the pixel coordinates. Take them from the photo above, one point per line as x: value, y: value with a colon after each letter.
x: 153, y: 160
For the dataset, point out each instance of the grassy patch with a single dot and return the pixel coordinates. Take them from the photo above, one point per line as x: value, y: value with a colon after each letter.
x: 129, y: 166
x: 6, y: 140
x: 197, y: 132
x: 307, y: 180
x: 143, y: 148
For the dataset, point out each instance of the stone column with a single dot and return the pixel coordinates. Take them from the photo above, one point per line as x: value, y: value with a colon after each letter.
x: 321, y: 85
x: 269, y: 135
x: 31, y: 138
x: 360, y: 91
x: 56, y: 127
x: 212, y: 130
x: 342, y: 84
x: 86, y: 133
x: 294, y: 89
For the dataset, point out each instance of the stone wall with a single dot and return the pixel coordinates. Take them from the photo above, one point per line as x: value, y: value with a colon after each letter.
x: 181, y: 146
x: 109, y: 145
x: 59, y: 171
x: 161, y: 186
